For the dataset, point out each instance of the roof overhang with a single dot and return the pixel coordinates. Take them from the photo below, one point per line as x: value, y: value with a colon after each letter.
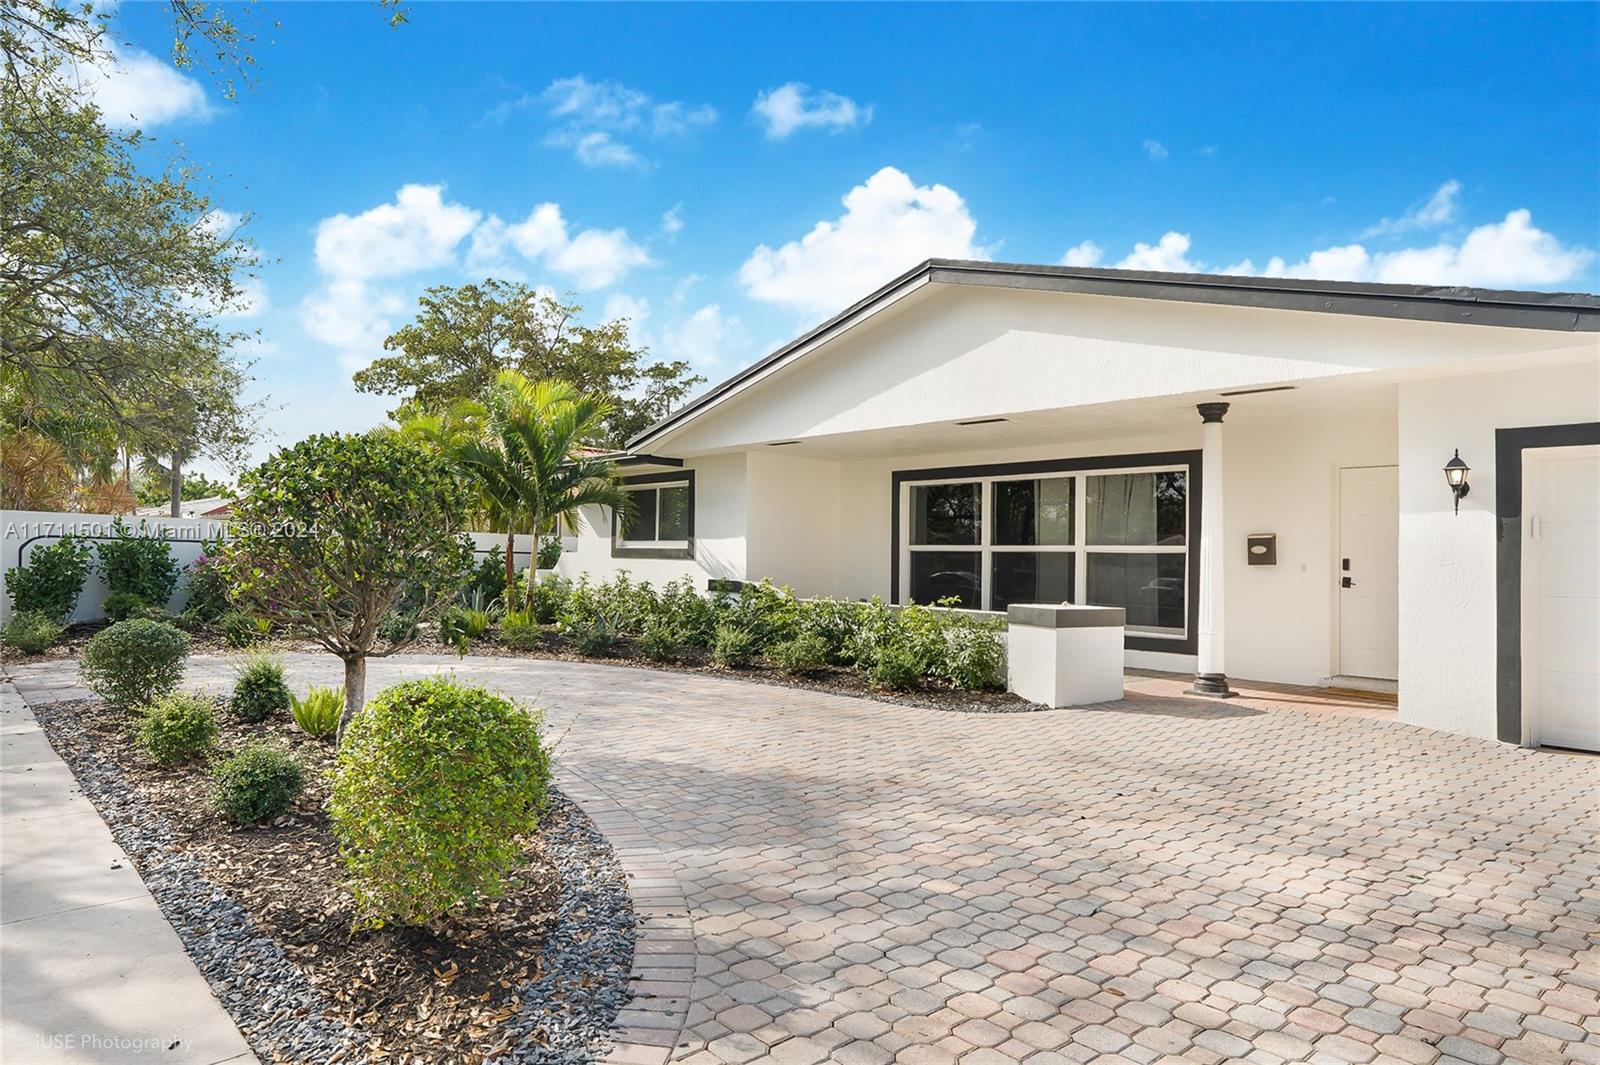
x: 1452, y: 305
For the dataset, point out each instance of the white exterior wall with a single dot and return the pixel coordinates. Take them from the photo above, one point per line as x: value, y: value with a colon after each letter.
x: 959, y: 352
x: 721, y: 516
x: 1447, y: 561
x: 795, y: 535
x: 1282, y: 476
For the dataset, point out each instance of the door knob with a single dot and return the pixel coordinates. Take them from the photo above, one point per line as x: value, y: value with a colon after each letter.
x: 1346, y: 582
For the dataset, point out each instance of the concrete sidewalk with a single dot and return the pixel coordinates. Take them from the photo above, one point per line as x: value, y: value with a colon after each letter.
x: 92, y: 972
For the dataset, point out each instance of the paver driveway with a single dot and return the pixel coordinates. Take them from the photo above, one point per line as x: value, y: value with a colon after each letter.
x: 1153, y: 879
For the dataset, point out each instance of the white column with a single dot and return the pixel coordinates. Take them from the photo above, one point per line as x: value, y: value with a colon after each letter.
x: 1211, y: 676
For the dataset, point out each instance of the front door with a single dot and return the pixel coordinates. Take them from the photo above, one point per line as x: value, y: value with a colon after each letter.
x: 1561, y: 595
x: 1369, y: 572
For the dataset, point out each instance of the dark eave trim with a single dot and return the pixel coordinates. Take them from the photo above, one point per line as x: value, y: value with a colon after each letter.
x: 1558, y: 311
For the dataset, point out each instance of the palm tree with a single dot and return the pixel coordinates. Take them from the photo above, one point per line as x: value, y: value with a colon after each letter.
x: 523, y: 446
x: 495, y: 504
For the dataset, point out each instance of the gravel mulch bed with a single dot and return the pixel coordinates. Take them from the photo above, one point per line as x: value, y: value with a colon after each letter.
x: 537, y: 976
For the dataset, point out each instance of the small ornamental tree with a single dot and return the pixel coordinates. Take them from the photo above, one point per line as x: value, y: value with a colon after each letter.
x: 330, y: 533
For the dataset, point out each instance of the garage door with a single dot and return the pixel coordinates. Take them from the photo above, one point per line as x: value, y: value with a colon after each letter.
x: 1561, y: 589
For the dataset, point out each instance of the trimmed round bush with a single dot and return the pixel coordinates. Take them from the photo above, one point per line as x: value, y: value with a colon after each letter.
x: 260, y: 691
x: 258, y: 783
x: 806, y: 653
x: 31, y: 632
x: 134, y: 662
x: 179, y: 727
x: 434, y: 785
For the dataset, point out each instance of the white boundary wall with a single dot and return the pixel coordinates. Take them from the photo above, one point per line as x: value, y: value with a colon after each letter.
x: 24, y: 531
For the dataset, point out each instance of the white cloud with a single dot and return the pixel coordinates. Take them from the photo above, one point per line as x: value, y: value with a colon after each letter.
x: 1170, y: 253
x: 418, y: 230
x: 219, y: 223
x: 595, y: 258
x: 888, y: 226
x: 252, y: 301
x: 348, y: 314
x: 1088, y: 253
x: 636, y: 310
x: 672, y: 220
x: 707, y: 338
x: 1155, y: 149
x: 794, y: 106
x: 135, y: 89
x: 594, y: 117
x: 1511, y: 253
x: 1437, y: 210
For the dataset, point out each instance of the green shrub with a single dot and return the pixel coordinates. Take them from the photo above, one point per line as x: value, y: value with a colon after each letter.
x: 258, y: 783
x: 620, y: 603
x: 769, y: 613
x: 139, y: 565
x: 178, y: 727
x: 550, y: 597
x: 593, y: 636
x: 208, y: 588
x: 897, y: 667
x: 549, y: 552
x: 318, y: 713
x: 435, y: 784
x: 398, y: 626
x: 260, y: 691
x: 53, y: 579
x: 975, y: 653
x: 661, y: 641
x: 835, y: 622
x: 134, y: 662
x: 806, y: 653
x: 120, y: 606
x: 733, y: 646
x: 31, y: 632
x: 488, y: 579
x: 241, y: 630
x: 692, y: 614
x: 459, y: 626
x: 519, y: 630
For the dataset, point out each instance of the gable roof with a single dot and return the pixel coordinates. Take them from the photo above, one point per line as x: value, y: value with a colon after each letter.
x: 1457, y: 305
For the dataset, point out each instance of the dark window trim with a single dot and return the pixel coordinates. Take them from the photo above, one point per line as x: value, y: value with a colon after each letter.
x: 687, y: 551
x: 1509, y: 445
x: 1191, y: 459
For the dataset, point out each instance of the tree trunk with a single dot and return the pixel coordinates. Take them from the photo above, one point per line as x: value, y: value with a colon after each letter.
x: 355, y: 691
x: 175, y: 484
x: 511, y: 571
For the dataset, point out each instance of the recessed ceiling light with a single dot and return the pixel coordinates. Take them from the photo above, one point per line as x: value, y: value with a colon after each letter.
x: 1258, y: 391
x: 983, y: 421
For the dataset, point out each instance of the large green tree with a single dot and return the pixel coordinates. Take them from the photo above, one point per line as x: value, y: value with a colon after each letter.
x: 465, y: 335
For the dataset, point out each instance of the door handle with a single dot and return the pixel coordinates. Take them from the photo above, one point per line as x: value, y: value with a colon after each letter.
x: 1346, y: 582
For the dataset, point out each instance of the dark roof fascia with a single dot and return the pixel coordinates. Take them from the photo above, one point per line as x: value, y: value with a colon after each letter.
x: 1558, y: 311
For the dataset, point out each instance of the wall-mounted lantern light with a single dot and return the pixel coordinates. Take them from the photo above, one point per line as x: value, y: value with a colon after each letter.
x: 1455, y: 475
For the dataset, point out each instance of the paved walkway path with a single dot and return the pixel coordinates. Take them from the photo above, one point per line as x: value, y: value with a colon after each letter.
x: 1156, y: 879
x: 93, y: 972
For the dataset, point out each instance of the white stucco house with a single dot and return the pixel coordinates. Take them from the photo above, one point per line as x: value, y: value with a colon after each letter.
x: 1254, y: 468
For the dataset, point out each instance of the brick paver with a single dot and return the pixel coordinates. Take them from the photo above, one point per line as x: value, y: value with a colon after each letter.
x: 1159, y: 879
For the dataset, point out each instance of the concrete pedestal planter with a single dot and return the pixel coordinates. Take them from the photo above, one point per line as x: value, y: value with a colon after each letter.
x: 1061, y: 655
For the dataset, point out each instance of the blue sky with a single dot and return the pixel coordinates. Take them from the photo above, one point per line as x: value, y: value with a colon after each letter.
x: 728, y: 175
